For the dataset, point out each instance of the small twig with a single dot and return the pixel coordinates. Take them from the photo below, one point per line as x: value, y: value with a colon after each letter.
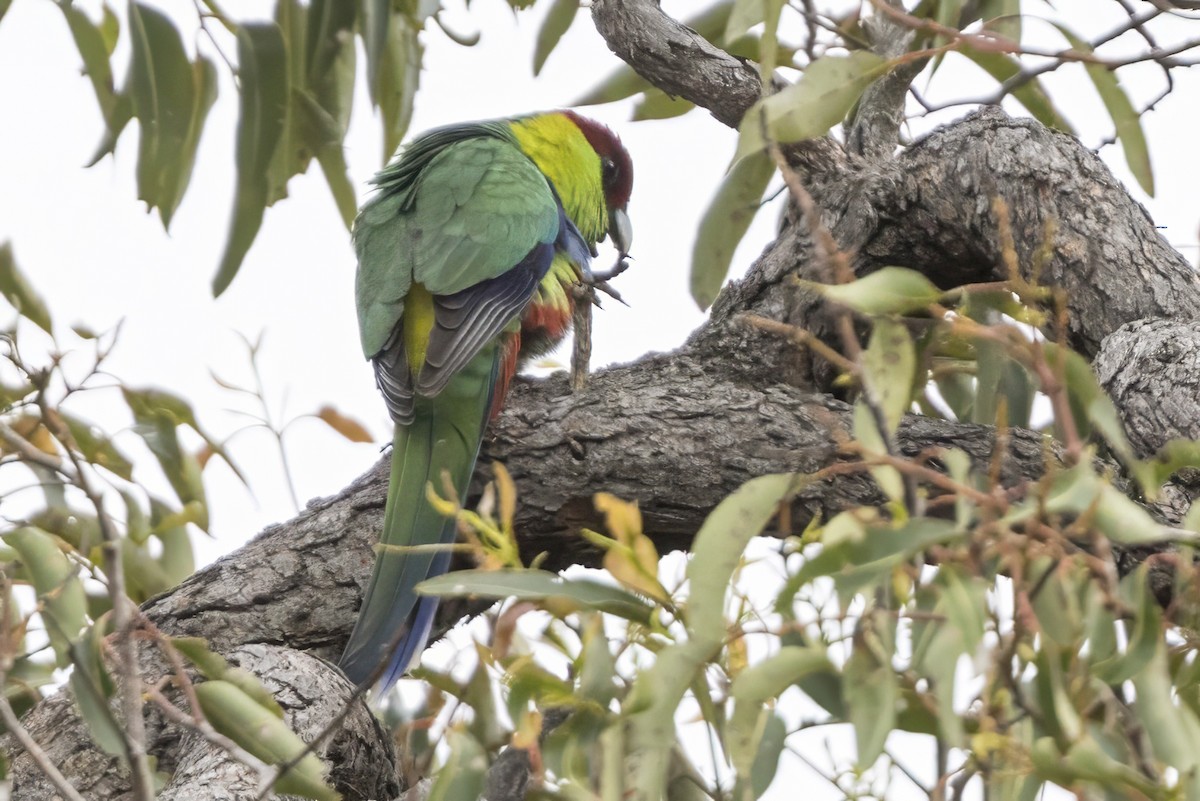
x: 202, y: 727
x: 29, y: 452
x: 125, y: 614
x: 35, y: 752
x: 581, y: 320
x: 803, y: 338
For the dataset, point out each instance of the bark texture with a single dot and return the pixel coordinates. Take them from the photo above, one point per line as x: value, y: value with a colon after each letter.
x: 680, y: 431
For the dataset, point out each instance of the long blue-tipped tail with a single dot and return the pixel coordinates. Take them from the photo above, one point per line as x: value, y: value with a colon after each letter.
x: 394, y: 622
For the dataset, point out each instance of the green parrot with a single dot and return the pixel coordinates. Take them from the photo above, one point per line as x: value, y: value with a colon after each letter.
x: 466, y: 257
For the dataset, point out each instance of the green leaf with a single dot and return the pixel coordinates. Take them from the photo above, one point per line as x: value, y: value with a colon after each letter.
x: 891, y: 290
x: 770, y: 677
x: 717, y: 551
x: 596, y: 666
x: 889, y: 366
x: 60, y: 593
x: 122, y: 113
x: 97, y: 448
x: 323, y: 136
x: 4, y: 4
x: 724, y: 224
x: 462, y: 777
x: 658, y: 105
x: 399, y: 79
x: 1172, y: 457
x: 1090, y: 405
x: 91, y: 687
x: 322, y: 109
x: 856, y: 555
x: 744, y: 16
x: 622, y: 83
x: 1142, y: 636
x: 265, y: 90
x: 1173, y: 733
x: 1002, y: 17
x: 376, y: 18
x: 178, y: 559
x: 204, y: 82
x: 766, y: 761
x: 807, y: 109
x: 1124, y: 116
x: 751, y: 692
x: 256, y: 728
x: 871, y: 693
x: 718, y: 546
x: 1030, y: 93
x: 210, y: 664
x: 1079, y: 490
x: 19, y: 293
x: 94, y: 50
x: 170, y: 100
x: 556, y: 22
x: 157, y: 416
x: 561, y: 595
x: 868, y: 437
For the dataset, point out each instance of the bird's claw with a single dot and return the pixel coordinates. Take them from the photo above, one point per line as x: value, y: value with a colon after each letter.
x: 604, y: 276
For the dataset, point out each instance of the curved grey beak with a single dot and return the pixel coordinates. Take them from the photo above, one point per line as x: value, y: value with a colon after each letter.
x: 621, y: 231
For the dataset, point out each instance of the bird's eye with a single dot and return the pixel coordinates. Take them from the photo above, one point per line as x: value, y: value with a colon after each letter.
x: 608, y: 172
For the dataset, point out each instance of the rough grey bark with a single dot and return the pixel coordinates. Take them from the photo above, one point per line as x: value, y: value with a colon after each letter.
x: 680, y: 431
x: 1151, y: 369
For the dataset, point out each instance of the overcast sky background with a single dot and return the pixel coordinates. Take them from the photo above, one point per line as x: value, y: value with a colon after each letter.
x: 89, y: 248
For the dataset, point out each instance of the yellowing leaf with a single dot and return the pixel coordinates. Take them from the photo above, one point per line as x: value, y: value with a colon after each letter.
x: 348, y: 427
x: 622, y: 518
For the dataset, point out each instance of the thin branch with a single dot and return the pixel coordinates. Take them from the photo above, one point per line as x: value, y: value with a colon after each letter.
x: 39, y: 757
x: 124, y: 613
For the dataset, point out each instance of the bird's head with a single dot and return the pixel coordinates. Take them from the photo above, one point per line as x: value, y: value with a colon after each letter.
x: 616, y: 175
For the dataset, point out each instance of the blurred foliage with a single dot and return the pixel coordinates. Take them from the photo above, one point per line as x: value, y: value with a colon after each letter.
x: 85, y: 527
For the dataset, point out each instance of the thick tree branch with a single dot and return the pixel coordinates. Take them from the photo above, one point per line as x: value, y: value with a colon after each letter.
x: 1151, y: 369
x: 676, y: 59
x: 684, y: 64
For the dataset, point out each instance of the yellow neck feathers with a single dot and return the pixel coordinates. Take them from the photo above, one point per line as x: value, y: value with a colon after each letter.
x: 556, y: 145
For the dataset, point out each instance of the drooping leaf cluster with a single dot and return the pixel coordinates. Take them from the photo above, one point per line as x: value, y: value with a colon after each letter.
x: 87, y: 532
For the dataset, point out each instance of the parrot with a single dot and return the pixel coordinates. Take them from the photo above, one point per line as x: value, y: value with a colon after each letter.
x: 467, y: 254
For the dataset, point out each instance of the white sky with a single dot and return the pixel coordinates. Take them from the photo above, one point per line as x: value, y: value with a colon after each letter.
x: 97, y: 258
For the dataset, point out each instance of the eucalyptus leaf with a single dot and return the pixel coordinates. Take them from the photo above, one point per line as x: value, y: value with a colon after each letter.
x: 807, y: 109
x: 1124, y: 116
x: 725, y: 222
x: 539, y: 585
x: 556, y: 22
x: 890, y: 290
x: 265, y: 91
x: 20, y: 293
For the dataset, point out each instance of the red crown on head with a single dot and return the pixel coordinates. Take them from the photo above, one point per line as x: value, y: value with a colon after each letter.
x: 608, y: 145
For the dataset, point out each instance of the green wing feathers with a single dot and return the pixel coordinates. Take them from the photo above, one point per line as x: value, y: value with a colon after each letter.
x: 474, y: 211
